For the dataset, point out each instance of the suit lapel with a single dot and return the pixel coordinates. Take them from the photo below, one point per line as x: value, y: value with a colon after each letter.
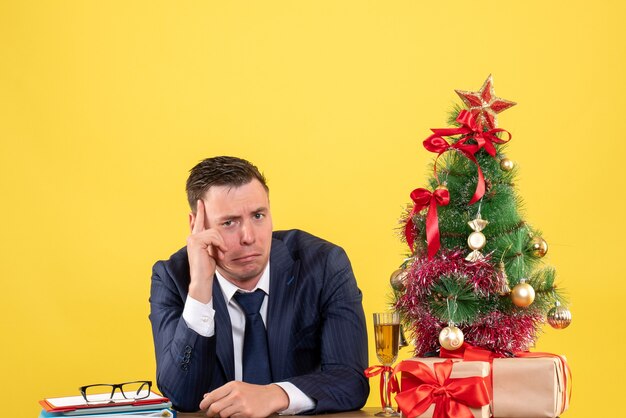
x: 283, y: 281
x: 223, y: 333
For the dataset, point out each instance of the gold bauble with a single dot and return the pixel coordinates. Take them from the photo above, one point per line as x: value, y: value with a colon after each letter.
x: 451, y: 338
x: 559, y: 317
x: 441, y: 187
x: 397, y: 279
x: 522, y: 294
x: 506, y: 164
x: 476, y: 240
x: 538, y: 247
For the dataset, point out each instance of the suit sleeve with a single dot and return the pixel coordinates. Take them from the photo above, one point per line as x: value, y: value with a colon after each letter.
x: 340, y: 385
x: 185, y: 359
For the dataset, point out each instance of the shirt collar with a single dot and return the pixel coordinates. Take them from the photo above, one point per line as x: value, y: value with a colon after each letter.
x: 229, y: 289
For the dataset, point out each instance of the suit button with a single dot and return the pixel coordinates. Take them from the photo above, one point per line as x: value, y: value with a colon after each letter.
x: 187, y: 349
x: 185, y: 367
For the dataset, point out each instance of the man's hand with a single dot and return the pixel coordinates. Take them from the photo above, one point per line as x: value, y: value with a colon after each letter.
x: 204, y: 248
x: 244, y: 400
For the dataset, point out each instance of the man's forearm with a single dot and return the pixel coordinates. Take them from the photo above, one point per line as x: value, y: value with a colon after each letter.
x: 185, y: 367
x: 185, y: 359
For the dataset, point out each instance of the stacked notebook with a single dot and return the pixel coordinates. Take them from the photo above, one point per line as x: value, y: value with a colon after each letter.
x: 154, y: 405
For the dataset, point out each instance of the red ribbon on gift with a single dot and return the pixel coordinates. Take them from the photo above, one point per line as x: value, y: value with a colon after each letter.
x: 426, y: 199
x: 392, y: 386
x: 471, y: 129
x: 452, y: 397
x: 470, y: 352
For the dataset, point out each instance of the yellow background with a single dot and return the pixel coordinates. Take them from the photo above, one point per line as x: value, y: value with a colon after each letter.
x: 105, y: 105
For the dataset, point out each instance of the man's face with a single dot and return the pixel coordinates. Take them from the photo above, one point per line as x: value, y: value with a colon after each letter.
x: 242, y: 217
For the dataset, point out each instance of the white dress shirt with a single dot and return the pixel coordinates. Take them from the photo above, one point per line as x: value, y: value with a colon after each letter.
x: 200, y: 317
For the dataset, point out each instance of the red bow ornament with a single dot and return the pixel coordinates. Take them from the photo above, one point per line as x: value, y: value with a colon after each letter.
x: 484, y: 139
x: 426, y: 199
x: 471, y: 129
x: 439, y: 145
x: 452, y: 397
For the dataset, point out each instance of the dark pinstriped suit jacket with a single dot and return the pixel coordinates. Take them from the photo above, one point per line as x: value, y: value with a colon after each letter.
x: 315, y: 327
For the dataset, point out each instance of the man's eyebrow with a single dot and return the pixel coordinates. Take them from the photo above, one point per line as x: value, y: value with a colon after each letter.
x: 227, y: 217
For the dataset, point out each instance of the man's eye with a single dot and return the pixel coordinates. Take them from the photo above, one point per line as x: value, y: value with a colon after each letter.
x: 259, y: 216
x: 227, y: 223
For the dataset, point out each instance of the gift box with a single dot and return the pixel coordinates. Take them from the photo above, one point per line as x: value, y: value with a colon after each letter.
x: 450, y: 385
x: 530, y: 387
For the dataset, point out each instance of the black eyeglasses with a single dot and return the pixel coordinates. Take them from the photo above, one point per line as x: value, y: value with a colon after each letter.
x: 108, y: 393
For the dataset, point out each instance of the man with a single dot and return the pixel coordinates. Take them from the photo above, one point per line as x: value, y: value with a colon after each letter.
x: 304, y: 349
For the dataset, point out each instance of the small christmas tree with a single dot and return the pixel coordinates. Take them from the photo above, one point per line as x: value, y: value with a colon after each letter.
x: 475, y: 270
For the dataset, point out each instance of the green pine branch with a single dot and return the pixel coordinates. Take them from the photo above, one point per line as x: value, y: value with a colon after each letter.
x: 453, y: 298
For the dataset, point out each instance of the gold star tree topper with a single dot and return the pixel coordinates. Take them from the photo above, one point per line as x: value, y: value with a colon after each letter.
x: 484, y: 104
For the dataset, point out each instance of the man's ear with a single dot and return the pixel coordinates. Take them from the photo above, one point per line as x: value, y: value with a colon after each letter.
x: 192, y: 221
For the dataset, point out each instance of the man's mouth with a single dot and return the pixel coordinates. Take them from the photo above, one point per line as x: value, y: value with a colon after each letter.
x: 246, y: 258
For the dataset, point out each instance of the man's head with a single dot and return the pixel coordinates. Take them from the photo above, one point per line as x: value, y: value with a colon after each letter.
x: 236, y: 206
x: 220, y: 171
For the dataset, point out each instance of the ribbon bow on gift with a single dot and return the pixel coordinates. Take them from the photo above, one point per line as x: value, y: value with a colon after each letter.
x: 471, y: 129
x: 452, y: 397
x: 425, y: 199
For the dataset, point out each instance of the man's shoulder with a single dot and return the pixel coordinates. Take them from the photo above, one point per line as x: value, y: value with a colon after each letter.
x: 178, y: 257
x: 297, y: 238
x: 178, y: 262
x: 301, y: 244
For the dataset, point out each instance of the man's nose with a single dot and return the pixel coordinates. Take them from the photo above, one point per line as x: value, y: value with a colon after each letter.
x: 247, y: 233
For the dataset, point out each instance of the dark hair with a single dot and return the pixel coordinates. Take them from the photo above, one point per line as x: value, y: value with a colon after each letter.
x: 220, y: 171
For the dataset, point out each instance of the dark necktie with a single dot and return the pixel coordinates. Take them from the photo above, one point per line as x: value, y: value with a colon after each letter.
x: 256, y: 360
